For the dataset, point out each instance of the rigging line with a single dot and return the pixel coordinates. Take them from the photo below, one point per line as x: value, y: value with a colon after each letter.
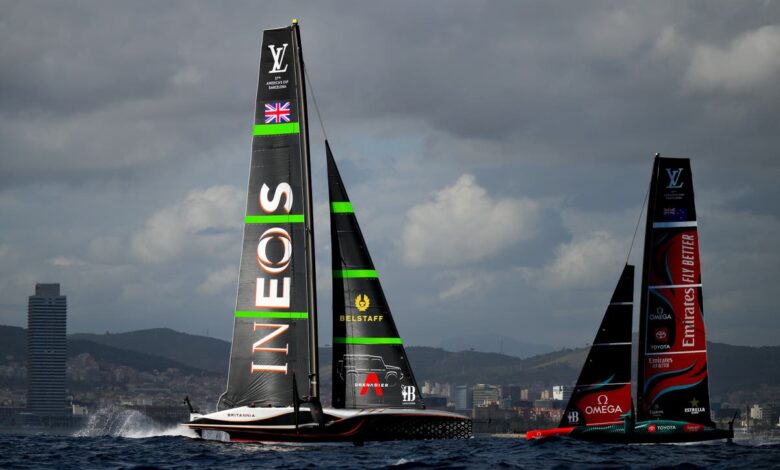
x: 639, y: 219
x: 314, y: 99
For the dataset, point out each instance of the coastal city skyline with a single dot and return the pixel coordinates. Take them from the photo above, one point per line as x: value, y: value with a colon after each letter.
x: 497, y: 167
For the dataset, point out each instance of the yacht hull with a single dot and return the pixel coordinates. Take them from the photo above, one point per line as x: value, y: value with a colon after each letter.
x: 247, y: 424
x: 647, y: 432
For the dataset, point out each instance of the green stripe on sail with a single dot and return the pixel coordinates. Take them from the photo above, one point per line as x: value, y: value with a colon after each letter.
x: 355, y: 274
x: 277, y: 129
x: 284, y: 315
x: 341, y: 207
x: 364, y: 340
x: 274, y: 219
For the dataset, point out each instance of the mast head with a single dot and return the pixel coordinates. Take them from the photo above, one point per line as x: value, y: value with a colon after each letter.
x: 295, y: 21
x: 657, y: 154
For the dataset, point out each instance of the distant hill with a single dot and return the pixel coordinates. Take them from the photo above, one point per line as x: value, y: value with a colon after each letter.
x: 732, y: 368
x: 13, y: 342
x: 199, y: 352
x: 495, y: 344
x: 477, y: 367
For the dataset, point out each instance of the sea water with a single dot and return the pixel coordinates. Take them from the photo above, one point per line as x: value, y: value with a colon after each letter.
x: 130, y: 442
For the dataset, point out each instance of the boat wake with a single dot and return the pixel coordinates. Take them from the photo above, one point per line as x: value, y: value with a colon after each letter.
x: 121, y: 422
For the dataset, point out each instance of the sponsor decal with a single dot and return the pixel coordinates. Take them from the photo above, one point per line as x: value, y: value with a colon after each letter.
x: 267, y: 295
x: 674, y: 178
x: 660, y: 362
x: 573, y: 416
x: 361, y: 318
x: 362, y: 302
x: 260, y: 346
x: 278, y: 55
x: 369, y: 372
x: 602, y: 407
x: 276, y: 113
x: 691, y: 427
x: 694, y: 409
x: 408, y: 393
x: 660, y: 314
x: 689, y: 318
x: 371, y: 382
x: 661, y: 335
x: 652, y: 428
x: 688, y: 257
x: 283, y: 237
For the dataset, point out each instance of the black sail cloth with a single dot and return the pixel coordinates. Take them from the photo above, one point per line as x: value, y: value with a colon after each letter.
x: 271, y: 331
x: 370, y: 367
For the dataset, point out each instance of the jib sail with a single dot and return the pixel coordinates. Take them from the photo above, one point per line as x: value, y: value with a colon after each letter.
x: 370, y: 368
x: 672, y: 373
x: 603, y: 390
x: 275, y: 303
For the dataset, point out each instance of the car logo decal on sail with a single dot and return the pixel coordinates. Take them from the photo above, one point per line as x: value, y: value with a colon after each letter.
x: 276, y: 113
x: 674, y: 178
x: 362, y: 302
x: 278, y: 56
x: 371, y: 382
x: 573, y: 417
x: 661, y: 335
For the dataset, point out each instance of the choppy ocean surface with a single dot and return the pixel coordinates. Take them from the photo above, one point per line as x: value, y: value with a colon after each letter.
x: 153, y: 448
x: 119, y: 438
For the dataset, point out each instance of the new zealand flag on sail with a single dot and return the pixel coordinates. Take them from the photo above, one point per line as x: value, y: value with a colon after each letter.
x: 276, y: 113
x: 675, y: 214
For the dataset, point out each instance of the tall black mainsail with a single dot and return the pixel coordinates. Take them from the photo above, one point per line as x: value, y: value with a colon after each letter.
x: 370, y: 368
x: 672, y: 373
x: 603, y: 391
x: 273, y: 340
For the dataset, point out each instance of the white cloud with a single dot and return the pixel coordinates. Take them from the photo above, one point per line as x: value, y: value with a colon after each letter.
x: 66, y: 261
x: 465, y: 283
x: 751, y: 62
x: 587, y: 261
x: 218, y: 281
x: 199, y: 222
x: 464, y: 224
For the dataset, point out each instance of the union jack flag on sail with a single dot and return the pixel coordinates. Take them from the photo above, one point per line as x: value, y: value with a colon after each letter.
x: 277, y: 112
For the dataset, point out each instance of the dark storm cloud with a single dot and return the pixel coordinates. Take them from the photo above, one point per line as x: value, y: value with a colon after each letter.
x: 125, y: 125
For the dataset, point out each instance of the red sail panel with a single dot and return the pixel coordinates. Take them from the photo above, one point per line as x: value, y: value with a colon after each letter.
x: 600, y: 406
x: 675, y: 258
x: 672, y: 376
x: 674, y: 322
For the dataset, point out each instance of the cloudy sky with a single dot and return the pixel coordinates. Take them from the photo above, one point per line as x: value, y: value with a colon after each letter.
x: 497, y: 155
